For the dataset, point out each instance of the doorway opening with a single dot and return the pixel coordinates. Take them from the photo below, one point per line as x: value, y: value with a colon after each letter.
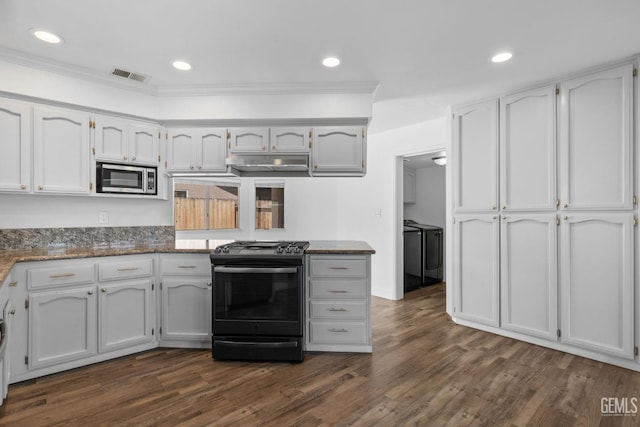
x: 422, y: 220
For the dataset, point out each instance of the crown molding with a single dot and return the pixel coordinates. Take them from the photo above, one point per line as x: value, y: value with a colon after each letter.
x: 98, y: 76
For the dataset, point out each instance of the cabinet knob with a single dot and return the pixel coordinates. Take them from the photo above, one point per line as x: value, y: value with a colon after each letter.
x: 264, y: 148
x: 273, y: 147
x: 200, y: 167
x: 23, y: 187
x: 493, y: 207
x: 124, y: 157
x: 566, y: 205
x: 191, y: 167
x: 40, y: 187
x: 90, y: 292
x: 504, y: 207
x: 13, y: 311
x: 104, y: 289
x: 133, y: 158
x: 209, y: 284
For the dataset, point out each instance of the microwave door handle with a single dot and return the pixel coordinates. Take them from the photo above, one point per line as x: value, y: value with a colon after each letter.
x: 250, y: 270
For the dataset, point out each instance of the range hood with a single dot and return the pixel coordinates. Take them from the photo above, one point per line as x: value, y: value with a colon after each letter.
x: 268, y: 165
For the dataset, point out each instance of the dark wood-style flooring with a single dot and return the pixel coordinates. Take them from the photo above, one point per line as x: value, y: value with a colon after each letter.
x: 425, y: 371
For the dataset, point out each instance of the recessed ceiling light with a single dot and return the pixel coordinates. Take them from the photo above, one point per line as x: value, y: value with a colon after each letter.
x: 331, y: 62
x: 502, y: 57
x: 48, y: 37
x: 181, y: 65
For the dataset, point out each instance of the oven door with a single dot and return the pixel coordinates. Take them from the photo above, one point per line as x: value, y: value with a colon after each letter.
x: 258, y: 300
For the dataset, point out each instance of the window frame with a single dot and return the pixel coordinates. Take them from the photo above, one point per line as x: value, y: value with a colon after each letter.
x: 268, y: 184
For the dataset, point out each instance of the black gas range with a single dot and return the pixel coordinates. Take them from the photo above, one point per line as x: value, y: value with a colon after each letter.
x: 258, y: 300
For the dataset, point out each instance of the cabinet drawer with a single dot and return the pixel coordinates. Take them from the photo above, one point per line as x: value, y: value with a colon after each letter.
x: 72, y: 274
x: 338, y: 267
x: 186, y: 266
x: 125, y: 269
x: 338, y: 333
x: 337, y: 288
x: 355, y: 310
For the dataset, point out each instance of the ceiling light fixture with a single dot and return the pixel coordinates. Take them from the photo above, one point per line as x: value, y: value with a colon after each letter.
x: 502, y: 57
x: 48, y: 37
x: 181, y: 65
x: 440, y: 161
x: 331, y: 62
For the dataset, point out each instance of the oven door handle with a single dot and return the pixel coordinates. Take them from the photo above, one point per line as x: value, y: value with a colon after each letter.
x: 254, y: 344
x: 273, y: 270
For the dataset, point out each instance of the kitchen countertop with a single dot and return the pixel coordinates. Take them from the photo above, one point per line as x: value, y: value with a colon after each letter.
x: 9, y: 257
x: 339, y: 247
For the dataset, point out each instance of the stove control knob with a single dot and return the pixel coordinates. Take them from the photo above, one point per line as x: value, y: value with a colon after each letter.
x: 296, y: 250
x: 217, y: 250
x: 225, y: 250
x: 279, y: 250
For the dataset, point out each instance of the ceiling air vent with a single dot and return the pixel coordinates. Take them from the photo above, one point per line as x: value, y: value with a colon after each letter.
x: 129, y: 75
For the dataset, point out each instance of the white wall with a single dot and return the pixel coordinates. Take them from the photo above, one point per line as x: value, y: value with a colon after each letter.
x: 44, y: 211
x: 367, y: 207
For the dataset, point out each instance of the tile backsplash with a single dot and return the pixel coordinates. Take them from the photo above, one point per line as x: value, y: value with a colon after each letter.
x: 36, y: 238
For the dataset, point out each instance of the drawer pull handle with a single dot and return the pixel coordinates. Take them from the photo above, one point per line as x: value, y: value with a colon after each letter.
x: 341, y: 330
x: 337, y: 309
x: 337, y: 291
x: 339, y: 268
x: 129, y: 269
x: 59, y: 275
x: 186, y: 266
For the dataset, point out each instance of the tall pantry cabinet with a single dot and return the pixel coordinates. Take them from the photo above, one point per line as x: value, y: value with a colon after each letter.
x: 553, y: 166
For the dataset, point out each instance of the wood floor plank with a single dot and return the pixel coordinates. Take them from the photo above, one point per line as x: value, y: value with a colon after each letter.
x: 425, y: 370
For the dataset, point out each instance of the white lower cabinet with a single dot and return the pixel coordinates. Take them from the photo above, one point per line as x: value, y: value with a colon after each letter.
x: 338, y: 289
x: 186, y: 309
x: 528, y: 279
x: 476, y: 268
x: 597, y: 282
x: 126, y: 314
x: 62, y: 326
x: 185, y: 300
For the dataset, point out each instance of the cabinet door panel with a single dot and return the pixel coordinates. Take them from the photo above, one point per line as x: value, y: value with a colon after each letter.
x: 212, y: 150
x: 476, y: 278
x: 289, y: 140
x: 143, y: 144
x: 61, y: 151
x: 179, y: 150
x: 125, y: 312
x: 15, y: 146
x: 186, y: 309
x: 475, y: 140
x: 528, y: 274
x: 62, y: 326
x: 338, y: 149
x: 110, y: 139
x: 528, y: 150
x: 597, y: 282
x: 596, y: 140
x: 248, y: 140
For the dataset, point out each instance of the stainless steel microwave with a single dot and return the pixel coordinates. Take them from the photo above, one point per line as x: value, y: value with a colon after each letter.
x: 115, y: 178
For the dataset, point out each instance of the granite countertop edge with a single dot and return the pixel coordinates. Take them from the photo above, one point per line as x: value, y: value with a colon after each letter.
x: 8, y: 258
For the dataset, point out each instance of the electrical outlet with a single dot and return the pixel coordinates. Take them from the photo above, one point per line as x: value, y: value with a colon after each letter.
x: 103, y: 217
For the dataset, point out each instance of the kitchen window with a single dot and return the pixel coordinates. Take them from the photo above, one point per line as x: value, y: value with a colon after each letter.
x: 269, y: 205
x: 205, y: 205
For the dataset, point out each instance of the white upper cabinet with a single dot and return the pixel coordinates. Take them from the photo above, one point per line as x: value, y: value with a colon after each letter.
x: 338, y: 150
x: 597, y: 282
x: 196, y: 149
x: 595, y: 137
x: 290, y: 139
x: 528, y: 150
x: 110, y: 139
x: 211, y: 149
x: 120, y: 140
x: 144, y: 143
x: 61, y: 151
x: 528, y: 278
x: 15, y: 146
x: 249, y: 140
x: 179, y: 149
x: 475, y: 145
x: 476, y: 274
